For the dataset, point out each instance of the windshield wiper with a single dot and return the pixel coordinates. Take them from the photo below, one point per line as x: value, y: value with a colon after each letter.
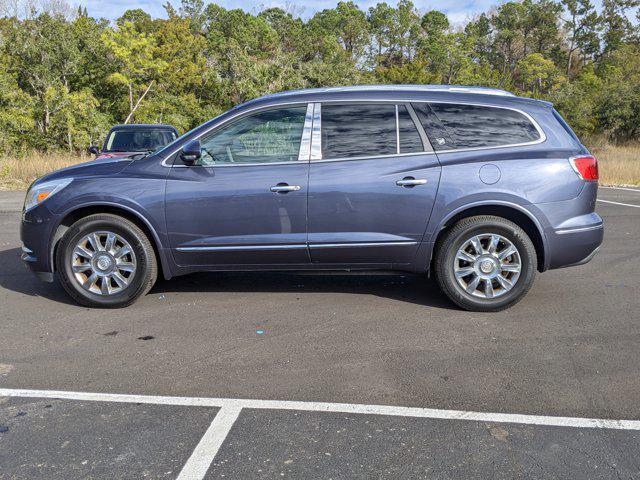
x: 144, y: 154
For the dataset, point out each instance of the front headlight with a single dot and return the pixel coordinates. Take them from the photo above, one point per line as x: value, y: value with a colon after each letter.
x: 40, y: 192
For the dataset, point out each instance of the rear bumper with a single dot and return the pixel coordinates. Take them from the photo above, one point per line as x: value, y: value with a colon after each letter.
x: 575, y: 246
x: 572, y: 230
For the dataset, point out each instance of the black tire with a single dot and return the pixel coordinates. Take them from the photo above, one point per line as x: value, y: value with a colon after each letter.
x: 446, y: 251
x: 141, y: 280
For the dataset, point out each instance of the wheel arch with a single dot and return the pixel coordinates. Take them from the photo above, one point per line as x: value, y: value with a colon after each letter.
x: 80, y: 211
x: 515, y: 213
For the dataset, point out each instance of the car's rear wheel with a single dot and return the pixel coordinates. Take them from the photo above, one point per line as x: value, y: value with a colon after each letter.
x: 485, y: 263
x: 106, y: 261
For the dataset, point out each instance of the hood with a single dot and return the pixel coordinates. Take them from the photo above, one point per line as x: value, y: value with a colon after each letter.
x: 93, y: 168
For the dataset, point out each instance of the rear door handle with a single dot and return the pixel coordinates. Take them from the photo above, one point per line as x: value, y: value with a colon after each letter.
x: 411, y: 182
x: 284, y: 188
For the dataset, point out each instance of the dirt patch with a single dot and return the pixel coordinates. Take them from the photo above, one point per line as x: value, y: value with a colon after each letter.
x: 498, y: 433
x: 5, y: 368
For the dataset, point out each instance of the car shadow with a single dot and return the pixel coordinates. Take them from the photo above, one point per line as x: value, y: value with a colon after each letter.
x: 409, y: 288
x: 416, y: 289
x: 15, y: 276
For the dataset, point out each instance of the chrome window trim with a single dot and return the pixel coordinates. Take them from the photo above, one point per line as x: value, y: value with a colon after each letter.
x: 316, y: 129
x: 371, y: 157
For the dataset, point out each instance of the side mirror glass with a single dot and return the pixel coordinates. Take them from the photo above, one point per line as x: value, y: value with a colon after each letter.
x: 94, y: 150
x: 191, y: 152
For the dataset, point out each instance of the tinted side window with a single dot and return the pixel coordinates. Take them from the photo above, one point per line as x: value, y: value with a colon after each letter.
x: 358, y: 130
x: 438, y: 136
x: 410, y: 140
x: 264, y: 137
x: 472, y: 126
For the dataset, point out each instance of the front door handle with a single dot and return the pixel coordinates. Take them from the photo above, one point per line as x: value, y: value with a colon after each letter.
x: 284, y: 188
x: 411, y: 182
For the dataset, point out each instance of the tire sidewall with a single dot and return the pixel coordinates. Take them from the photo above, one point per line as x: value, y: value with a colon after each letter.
x: 527, y: 257
x: 67, y: 245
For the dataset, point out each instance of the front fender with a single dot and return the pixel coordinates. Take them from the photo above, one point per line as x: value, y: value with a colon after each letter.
x: 144, y: 200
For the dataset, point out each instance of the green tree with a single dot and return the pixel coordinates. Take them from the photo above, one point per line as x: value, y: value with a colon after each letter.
x: 136, y: 67
x: 618, y: 102
x: 616, y: 24
x: 349, y: 25
x: 436, y: 46
x: 582, y: 25
x: 44, y: 56
x: 16, y: 115
x: 538, y: 74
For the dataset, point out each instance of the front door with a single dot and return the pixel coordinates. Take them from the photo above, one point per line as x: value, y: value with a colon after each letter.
x: 245, y: 201
x: 372, y: 189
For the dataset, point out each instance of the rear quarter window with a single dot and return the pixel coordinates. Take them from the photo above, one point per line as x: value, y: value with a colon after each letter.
x: 475, y: 126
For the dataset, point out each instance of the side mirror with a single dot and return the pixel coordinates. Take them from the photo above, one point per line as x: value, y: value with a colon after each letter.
x: 94, y: 150
x: 191, y: 152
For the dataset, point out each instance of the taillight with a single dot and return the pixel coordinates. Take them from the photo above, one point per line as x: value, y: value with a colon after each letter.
x: 586, y: 167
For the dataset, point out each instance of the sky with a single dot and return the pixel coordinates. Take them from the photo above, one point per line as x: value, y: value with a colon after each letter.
x: 457, y: 10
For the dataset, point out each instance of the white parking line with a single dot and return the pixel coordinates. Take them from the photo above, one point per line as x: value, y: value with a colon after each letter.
x: 637, y: 190
x: 200, y: 460
x: 416, y: 412
x: 618, y: 203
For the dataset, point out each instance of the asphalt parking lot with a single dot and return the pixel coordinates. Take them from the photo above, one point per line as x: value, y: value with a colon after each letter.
x: 340, y: 376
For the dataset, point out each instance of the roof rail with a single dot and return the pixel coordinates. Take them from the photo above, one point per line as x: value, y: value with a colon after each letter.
x: 465, y: 89
x: 430, y: 88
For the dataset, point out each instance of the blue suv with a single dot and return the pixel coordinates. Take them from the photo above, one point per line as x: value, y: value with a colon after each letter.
x: 474, y: 186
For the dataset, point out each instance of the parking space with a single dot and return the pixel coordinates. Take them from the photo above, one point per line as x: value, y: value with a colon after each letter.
x: 326, y: 445
x: 57, y: 439
x: 568, y: 350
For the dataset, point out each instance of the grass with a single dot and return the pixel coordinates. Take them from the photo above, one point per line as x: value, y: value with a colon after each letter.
x: 619, y: 165
x: 17, y: 173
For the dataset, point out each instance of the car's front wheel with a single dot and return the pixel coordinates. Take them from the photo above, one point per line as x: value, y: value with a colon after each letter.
x: 485, y: 263
x: 106, y: 261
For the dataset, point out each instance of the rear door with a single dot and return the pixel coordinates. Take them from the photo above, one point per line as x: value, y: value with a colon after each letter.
x: 373, y: 179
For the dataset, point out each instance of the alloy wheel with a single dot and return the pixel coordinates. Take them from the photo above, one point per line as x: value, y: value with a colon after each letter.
x: 487, y: 265
x: 103, y: 263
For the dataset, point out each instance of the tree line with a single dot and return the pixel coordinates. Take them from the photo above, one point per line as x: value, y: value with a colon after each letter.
x: 66, y: 77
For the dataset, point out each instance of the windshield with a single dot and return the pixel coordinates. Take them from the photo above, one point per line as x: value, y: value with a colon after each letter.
x: 138, y: 140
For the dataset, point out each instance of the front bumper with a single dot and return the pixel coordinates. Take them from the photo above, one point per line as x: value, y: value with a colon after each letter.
x: 36, y: 232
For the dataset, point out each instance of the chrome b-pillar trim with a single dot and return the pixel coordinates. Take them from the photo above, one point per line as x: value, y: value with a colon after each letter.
x: 397, y: 131
x: 316, y: 139
x: 305, y: 142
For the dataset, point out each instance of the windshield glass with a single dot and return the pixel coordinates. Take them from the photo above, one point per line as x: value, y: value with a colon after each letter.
x: 138, y: 140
